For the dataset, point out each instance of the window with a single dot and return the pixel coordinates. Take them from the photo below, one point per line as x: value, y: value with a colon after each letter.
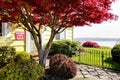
x: 57, y: 37
x: 61, y: 36
x: 5, y: 29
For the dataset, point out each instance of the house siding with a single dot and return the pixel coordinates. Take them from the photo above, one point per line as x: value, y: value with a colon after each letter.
x: 68, y: 34
x: 46, y: 35
x: 19, y: 45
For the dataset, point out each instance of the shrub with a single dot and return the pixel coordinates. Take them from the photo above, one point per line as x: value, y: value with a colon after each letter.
x: 62, y: 66
x: 116, y: 53
x: 66, y: 47
x: 6, y: 55
x: 24, y: 70
x: 91, y: 44
x: 22, y: 56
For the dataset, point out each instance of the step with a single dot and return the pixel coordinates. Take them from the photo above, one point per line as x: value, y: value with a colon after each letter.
x: 34, y: 54
x: 35, y: 58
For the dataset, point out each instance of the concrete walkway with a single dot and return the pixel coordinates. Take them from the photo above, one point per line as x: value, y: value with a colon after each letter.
x: 86, y: 72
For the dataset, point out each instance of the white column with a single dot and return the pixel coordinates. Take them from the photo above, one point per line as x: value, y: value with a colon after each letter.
x: 28, y: 42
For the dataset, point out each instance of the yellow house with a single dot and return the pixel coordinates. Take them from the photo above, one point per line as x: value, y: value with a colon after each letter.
x: 23, y: 41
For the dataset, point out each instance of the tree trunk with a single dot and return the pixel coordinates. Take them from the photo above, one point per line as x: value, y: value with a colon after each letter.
x: 41, y: 57
x: 43, y: 54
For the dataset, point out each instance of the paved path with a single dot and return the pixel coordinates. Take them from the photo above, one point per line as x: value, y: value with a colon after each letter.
x: 86, y: 72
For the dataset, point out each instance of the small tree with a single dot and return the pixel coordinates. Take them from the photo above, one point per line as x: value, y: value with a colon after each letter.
x: 56, y: 14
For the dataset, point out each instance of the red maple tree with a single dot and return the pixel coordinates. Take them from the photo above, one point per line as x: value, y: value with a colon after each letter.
x: 55, y: 14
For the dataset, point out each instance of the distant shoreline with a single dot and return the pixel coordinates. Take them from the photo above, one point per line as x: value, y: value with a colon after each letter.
x: 97, y: 39
x: 110, y: 42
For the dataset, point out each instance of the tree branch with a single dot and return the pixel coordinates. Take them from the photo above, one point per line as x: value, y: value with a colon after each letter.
x: 61, y: 30
x: 28, y: 24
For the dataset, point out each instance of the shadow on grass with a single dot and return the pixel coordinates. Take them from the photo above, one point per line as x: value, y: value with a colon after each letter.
x: 114, y: 65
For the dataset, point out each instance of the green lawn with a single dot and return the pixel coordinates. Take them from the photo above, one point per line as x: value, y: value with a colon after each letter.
x: 97, y: 57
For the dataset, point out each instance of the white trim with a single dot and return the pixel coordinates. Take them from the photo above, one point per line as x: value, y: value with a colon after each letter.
x: 6, y: 30
x: 28, y: 42
x: 61, y: 36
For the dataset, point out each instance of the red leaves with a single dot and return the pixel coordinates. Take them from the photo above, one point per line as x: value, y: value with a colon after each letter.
x: 62, y: 66
x: 90, y: 44
x: 69, y: 12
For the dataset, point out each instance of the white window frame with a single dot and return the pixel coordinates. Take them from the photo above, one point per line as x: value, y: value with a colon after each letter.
x: 6, y: 30
x: 61, y: 36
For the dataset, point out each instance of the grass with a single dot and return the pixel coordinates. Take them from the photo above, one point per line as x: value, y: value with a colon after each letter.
x: 96, y: 56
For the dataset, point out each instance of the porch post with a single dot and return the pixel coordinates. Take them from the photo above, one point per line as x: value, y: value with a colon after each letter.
x: 27, y: 42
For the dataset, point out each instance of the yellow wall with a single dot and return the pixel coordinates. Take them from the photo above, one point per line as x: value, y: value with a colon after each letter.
x: 69, y: 33
x: 46, y: 34
x: 19, y: 45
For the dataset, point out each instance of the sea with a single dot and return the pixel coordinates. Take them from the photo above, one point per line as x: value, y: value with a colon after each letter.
x: 108, y: 42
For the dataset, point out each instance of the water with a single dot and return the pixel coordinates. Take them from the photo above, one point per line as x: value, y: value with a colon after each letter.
x: 106, y: 43
x: 109, y: 42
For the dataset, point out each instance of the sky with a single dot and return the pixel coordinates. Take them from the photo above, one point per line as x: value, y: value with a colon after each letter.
x: 103, y: 30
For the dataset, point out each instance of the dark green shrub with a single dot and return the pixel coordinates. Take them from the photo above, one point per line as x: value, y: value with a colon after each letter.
x: 116, y: 53
x: 66, y: 47
x: 6, y: 55
x: 22, y: 56
x: 63, y: 67
x: 24, y: 70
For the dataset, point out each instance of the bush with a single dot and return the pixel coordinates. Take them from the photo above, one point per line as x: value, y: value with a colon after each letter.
x: 91, y: 44
x: 22, y: 56
x: 66, y: 47
x: 27, y: 70
x: 63, y: 67
x: 116, y: 53
x: 6, y: 55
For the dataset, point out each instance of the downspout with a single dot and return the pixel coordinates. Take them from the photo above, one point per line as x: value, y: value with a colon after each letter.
x: 72, y: 33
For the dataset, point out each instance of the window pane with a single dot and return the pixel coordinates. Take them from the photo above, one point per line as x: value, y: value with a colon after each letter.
x: 57, y: 37
x: 63, y: 35
x: 7, y: 28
